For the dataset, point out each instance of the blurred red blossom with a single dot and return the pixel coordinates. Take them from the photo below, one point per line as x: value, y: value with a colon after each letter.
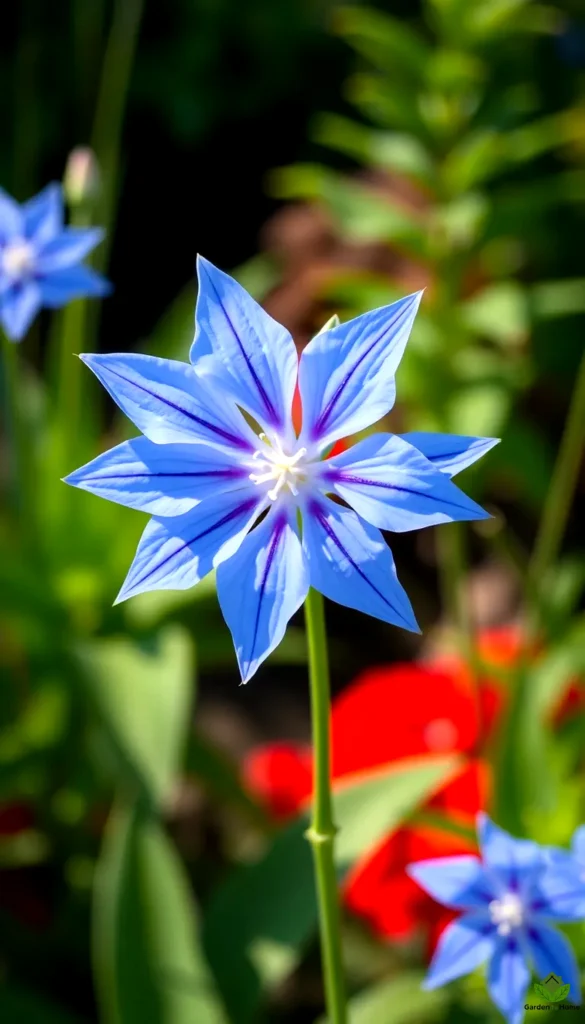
x: 388, y: 714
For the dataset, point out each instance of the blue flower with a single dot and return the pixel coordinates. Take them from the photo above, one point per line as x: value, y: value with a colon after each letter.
x: 566, y: 884
x: 227, y: 497
x: 40, y: 259
x: 509, y: 899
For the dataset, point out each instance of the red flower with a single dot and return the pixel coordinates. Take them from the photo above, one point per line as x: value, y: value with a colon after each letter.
x: 297, y: 418
x: 389, y: 714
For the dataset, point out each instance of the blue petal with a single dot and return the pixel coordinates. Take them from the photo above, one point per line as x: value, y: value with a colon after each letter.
x: 346, y: 375
x: 257, y: 354
x: 559, y: 892
x: 350, y: 563
x: 508, y: 978
x: 393, y: 486
x: 167, y: 402
x: 450, y: 452
x: 43, y: 215
x: 163, y: 479
x: 11, y: 219
x: 463, y: 946
x: 578, y: 845
x: 61, y: 286
x: 69, y: 247
x: 456, y: 882
x: 176, y: 553
x: 551, y: 953
x: 261, y: 587
x: 18, y: 308
x: 517, y: 863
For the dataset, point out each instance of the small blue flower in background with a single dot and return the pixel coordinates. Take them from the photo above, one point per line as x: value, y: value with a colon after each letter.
x: 40, y: 260
x: 508, y: 898
x: 208, y: 478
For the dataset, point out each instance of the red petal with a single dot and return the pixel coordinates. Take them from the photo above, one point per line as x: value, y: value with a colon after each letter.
x: 280, y: 775
x: 379, y: 890
x: 401, y: 711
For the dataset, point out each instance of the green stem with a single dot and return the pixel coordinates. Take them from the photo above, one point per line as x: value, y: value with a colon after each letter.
x: 452, y: 566
x: 109, y: 115
x: 560, y: 495
x: 321, y: 833
x: 15, y: 428
x: 519, y: 748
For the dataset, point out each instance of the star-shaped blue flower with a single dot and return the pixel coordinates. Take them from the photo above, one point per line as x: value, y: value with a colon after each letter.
x: 266, y: 508
x: 508, y: 898
x: 40, y: 260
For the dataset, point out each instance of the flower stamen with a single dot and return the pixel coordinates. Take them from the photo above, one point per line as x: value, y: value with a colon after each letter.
x: 283, y: 469
x: 17, y: 258
x: 507, y: 913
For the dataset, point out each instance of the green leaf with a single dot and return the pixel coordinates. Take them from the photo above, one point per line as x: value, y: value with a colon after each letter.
x: 400, y: 1000
x: 388, y: 43
x: 542, y: 991
x: 552, y: 299
x: 361, y: 214
x: 143, y: 701
x: 393, y: 151
x: 258, y: 922
x: 561, y: 993
x: 479, y: 156
x: 148, y: 963
x: 498, y: 312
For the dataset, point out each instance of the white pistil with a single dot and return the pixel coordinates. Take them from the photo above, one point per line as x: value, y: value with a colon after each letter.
x: 507, y: 913
x: 283, y: 469
x: 18, y: 258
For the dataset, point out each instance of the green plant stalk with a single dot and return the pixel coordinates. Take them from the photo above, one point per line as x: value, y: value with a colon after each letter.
x: 108, y: 123
x: 562, y: 488
x: 321, y: 833
x: 514, y: 782
x: 20, y: 454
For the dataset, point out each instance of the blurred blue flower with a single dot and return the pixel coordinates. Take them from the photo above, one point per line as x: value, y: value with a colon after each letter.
x: 40, y: 259
x: 509, y: 898
x: 566, y: 884
x: 224, y: 496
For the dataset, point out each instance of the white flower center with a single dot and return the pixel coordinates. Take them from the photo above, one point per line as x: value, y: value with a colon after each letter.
x: 275, y: 464
x: 507, y: 913
x: 18, y: 258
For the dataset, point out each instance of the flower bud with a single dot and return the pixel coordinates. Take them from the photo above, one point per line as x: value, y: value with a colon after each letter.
x: 81, y: 180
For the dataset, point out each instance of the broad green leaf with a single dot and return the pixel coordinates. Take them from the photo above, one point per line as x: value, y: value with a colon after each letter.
x: 368, y: 807
x: 552, y: 674
x: 258, y: 922
x: 148, y: 963
x: 143, y: 700
x: 542, y: 991
x: 400, y: 1000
